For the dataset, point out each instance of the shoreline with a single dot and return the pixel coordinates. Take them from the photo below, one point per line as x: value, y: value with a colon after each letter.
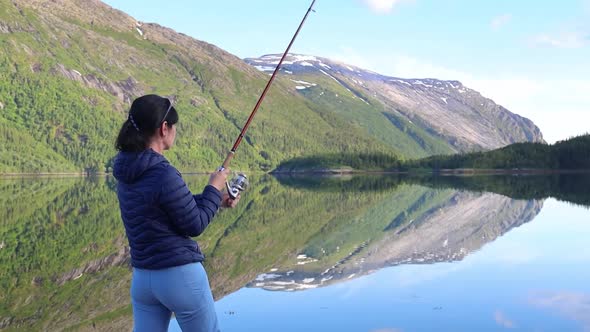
x: 441, y: 172
x: 454, y: 171
x: 522, y: 171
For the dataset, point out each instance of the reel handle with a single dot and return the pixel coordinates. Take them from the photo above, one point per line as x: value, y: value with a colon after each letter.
x: 236, y: 185
x: 233, y: 192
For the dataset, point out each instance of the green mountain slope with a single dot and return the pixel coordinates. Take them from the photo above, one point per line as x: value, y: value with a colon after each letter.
x: 370, y: 116
x: 69, y: 70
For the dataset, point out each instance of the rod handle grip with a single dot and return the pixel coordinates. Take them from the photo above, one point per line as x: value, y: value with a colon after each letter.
x: 227, y: 160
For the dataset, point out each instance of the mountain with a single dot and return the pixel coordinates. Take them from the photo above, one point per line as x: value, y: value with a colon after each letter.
x: 69, y: 70
x: 426, y: 116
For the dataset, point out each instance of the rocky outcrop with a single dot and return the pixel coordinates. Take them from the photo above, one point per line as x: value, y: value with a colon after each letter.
x: 464, y: 224
x: 5, y: 322
x: 125, y: 90
x: 122, y: 257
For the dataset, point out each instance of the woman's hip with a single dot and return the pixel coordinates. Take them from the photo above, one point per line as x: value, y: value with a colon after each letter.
x: 183, y: 287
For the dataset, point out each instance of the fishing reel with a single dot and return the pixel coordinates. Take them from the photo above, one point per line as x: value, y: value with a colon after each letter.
x: 238, y: 183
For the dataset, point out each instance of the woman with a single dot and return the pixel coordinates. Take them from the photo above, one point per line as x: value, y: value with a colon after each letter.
x: 160, y: 216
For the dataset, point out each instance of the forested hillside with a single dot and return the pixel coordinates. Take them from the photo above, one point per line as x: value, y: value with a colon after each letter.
x: 69, y: 70
x: 570, y: 154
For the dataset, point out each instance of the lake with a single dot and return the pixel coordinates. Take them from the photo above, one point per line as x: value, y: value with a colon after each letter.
x: 354, y: 253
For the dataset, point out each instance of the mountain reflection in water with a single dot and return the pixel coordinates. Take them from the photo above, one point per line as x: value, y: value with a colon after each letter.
x: 428, y: 231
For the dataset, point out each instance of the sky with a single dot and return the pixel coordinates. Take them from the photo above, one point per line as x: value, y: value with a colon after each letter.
x: 532, y: 57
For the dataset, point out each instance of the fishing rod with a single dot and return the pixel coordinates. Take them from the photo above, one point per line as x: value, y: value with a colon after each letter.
x: 240, y: 181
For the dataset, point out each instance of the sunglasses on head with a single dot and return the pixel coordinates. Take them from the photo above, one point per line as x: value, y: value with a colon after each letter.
x: 167, y: 111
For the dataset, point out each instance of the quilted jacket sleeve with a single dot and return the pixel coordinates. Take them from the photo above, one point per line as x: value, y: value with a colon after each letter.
x: 189, y: 214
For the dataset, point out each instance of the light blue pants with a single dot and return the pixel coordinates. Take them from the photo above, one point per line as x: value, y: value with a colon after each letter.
x: 183, y: 290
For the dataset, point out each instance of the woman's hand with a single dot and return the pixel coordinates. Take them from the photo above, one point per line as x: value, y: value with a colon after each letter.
x: 228, y: 202
x: 218, y: 179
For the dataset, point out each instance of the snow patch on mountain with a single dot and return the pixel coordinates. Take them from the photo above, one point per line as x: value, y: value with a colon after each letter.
x: 304, y: 82
x: 332, y: 77
x: 264, y: 68
x: 402, y: 82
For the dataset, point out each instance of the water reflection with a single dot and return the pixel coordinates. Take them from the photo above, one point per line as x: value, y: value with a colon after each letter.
x: 564, y: 187
x: 64, y: 261
x: 481, y: 292
x: 503, y: 321
x: 430, y: 226
x: 572, y: 305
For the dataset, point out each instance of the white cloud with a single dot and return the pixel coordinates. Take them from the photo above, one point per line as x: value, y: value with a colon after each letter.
x: 500, y: 21
x: 350, y: 56
x: 502, y: 320
x: 572, y: 34
x: 383, y: 6
x: 565, y: 39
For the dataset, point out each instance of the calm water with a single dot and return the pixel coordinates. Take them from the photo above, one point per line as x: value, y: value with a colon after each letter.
x: 318, y: 254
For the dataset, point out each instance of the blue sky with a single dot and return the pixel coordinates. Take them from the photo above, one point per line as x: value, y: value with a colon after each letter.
x: 533, y: 57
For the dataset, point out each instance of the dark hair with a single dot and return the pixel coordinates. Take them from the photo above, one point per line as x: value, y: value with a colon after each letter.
x: 146, y: 115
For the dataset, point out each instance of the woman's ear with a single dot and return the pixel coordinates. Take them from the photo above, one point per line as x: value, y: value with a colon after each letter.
x: 164, y: 129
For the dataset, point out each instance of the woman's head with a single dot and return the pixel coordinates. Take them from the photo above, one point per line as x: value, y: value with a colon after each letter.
x: 150, y: 121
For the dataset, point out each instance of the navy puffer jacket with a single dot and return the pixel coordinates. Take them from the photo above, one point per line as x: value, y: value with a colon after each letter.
x: 159, y: 212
